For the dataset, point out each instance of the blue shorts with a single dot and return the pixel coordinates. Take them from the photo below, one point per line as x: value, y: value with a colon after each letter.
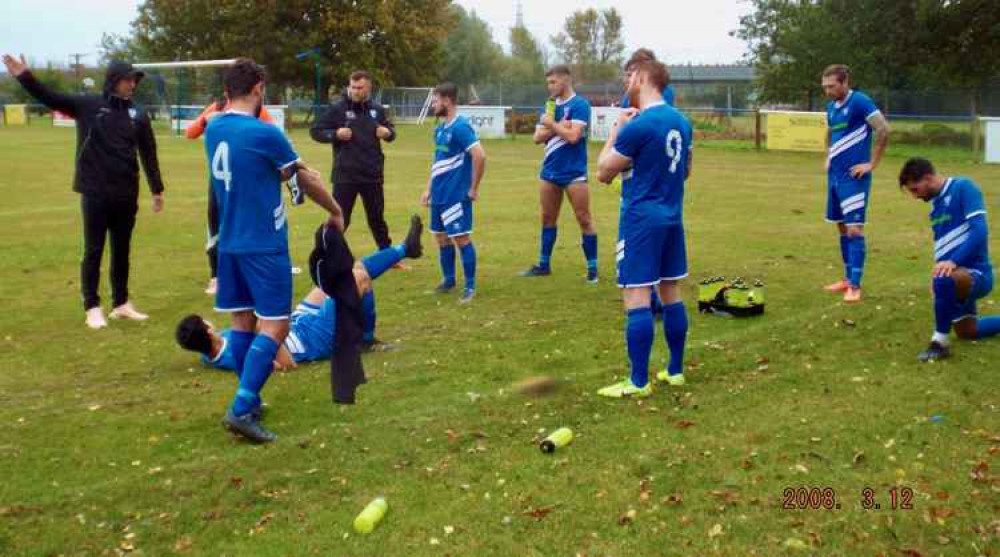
x: 563, y: 181
x: 261, y: 283
x: 982, y: 284
x: 647, y: 255
x: 847, y: 198
x: 453, y: 220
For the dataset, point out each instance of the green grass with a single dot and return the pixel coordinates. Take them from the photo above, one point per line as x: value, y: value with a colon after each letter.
x: 111, y: 440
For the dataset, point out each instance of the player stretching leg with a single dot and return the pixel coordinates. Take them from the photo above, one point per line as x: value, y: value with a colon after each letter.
x: 459, y: 164
x: 852, y: 118
x: 313, y: 323
x: 248, y: 160
x: 962, y: 271
x: 655, y: 141
x: 564, y: 169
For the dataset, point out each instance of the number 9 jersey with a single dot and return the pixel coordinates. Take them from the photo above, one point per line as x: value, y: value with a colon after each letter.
x: 246, y: 157
x: 658, y: 142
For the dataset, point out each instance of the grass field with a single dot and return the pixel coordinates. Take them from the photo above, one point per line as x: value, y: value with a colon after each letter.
x: 110, y: 441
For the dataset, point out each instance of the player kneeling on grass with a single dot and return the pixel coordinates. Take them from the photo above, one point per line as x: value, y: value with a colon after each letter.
x: 655, y: 141
x: 962, y: 271
x: 313, y: 323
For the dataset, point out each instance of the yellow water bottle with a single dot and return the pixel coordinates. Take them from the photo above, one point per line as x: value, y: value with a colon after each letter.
x: 370, y: 517
x: 559, y: 438
x: 550, y: 107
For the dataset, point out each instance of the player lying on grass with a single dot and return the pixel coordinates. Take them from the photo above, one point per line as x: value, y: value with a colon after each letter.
x: 313, y: 323
x: 962, y: 271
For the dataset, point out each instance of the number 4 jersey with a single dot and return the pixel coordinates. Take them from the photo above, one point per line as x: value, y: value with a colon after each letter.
x: 246, y: 157
x: 657, y: 141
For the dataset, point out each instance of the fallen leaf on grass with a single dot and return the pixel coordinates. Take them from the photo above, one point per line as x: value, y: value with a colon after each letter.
x: 539, y: 513
x: 910, y: 552
x: 979, y: 473
x: 183, y: 544
x: 261, y: 524
x: 716, y: 531
x: 859, y: 457
x: 730, y: 497
x: 627, y: 518
x: 683, y: 424
x: 675, y: 499
x: 236, y: 482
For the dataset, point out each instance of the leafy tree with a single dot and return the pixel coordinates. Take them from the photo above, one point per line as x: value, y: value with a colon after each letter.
x: 591, y: 43
x: 471, y: 55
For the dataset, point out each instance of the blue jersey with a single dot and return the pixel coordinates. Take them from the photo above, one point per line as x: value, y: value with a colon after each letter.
x: 224, y: 359
x: 657, y: 141
x: 850, y: 134
x: 451, y: 173
x: 668, y: 97
x: 310, y: 337
x: 245, y: 158
x: 565, y: 162
x: 951, y: 209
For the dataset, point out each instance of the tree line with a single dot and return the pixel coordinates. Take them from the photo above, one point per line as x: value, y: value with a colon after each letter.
x: 889, y: 45
x: 402, y: 42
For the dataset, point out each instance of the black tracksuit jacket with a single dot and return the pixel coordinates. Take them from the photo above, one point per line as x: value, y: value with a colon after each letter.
x: 110, y: 131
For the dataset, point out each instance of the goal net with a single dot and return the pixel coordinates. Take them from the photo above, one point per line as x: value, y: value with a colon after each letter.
x: 175, y: 93
x: 409, y: 105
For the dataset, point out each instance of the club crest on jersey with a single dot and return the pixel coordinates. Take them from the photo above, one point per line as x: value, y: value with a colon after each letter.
x: 350, y: 115
x: 372, y: 112
x: 132, y: 113
x: 947, y: 200
x: 844, y: 111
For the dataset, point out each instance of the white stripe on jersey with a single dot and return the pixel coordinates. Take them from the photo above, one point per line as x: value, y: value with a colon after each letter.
x: 446, y: 169
x: 446, y: 162
x: 848, y: 141
x: 947, y: 238
x: 620, y: 250
x: 294, y: 344
x: 554, y: 145
x: 946, y: 249
x: 975, y: 214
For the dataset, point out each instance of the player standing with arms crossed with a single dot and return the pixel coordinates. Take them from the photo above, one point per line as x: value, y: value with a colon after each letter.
x: 248, y: 159
x: 459, y: 164
x: 652, y: 146
x: 563, y: 130
x: 852, y: 119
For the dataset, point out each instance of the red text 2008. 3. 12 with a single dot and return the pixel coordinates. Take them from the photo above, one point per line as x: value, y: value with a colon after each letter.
x: 826, y: 498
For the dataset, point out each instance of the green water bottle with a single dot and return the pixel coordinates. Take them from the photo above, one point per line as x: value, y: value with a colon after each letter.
x: 550, y: 107
x: 370, y: 517
x: 559, y: 438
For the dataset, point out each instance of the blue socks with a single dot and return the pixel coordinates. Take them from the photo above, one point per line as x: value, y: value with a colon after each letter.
x: 589, y: 245
x: 368, y: 308
x: 845, y: 253
x: 987, y: 326
x: 448, y: 264
x: 639, y: 339
x: 675, y: 328
x: 239, y: 344
x: 256, y: 369
x: 468, y: 266
x: 381, y: 261
x: 548, y: 242
x: 856, y: 259
x: 945, y: 300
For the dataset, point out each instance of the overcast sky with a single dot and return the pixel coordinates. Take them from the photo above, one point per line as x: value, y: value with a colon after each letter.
x: 679, y: 31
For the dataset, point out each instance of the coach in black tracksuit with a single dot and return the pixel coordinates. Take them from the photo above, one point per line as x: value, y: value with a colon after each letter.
x: 357, y: 126
x: 110, y: 132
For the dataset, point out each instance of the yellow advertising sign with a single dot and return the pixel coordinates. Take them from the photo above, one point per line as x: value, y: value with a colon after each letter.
x: 796, y: 131
x: 15, y: 114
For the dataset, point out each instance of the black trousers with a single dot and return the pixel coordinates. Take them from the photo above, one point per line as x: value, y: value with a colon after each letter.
x: 105, y: 217
x: 331, y: 265
x: 212, y: 246
x: 373, y: 198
